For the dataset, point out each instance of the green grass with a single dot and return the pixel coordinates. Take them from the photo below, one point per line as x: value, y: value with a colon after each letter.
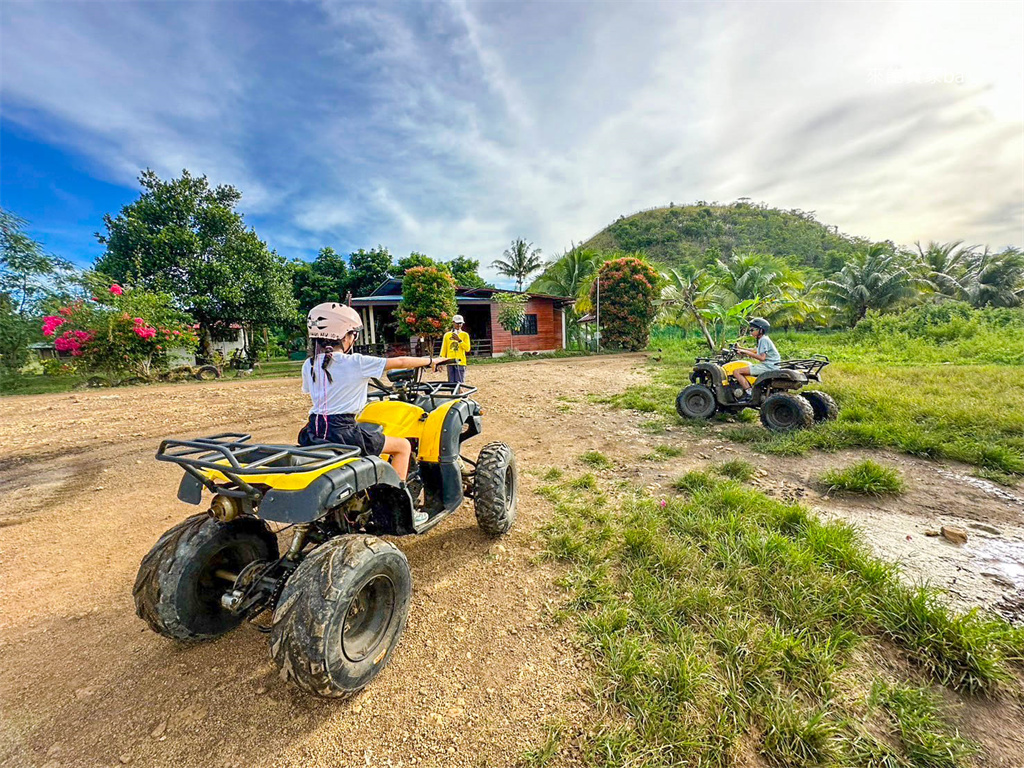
x: 737, y: 469
x: 663, y: 452
x: 865, y: 477
x: 968, y: 413
x: 721, y: 622
x: 596, y: 459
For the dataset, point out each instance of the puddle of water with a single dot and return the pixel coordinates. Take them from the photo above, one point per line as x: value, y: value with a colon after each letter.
x: 1001, y: 559
x: 983, y: 485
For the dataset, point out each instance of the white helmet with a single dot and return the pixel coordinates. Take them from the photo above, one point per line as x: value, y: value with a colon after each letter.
x: 332, y: 321
x: 458, y: 320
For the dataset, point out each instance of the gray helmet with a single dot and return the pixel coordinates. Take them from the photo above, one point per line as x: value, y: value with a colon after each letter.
x: 761, y: 323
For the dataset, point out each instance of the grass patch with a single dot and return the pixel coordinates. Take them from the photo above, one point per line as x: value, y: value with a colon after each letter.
x: 596, y: 459
x: 865, y: 477
x: 736, y: 469
x: 898, y: 397
x: 663, y: 452
x: 722, y: 621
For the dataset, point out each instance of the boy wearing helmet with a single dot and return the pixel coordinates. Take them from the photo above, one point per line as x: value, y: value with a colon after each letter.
x: 766, y: 354
x: 455, y: 345
x: 337, y: 384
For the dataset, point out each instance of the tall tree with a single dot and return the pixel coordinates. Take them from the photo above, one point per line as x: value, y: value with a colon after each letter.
x: 414, y: 259
x: 368, y: 269
x: 466, y: 272
x: 945, y: 265
x: 519, y: 262
x: 323, y: 279
x: 28, y: 275
x: 571, y: 276
x: 185, y: 238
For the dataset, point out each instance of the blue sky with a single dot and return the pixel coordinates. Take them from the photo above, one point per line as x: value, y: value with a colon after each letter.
x: 452, y: 127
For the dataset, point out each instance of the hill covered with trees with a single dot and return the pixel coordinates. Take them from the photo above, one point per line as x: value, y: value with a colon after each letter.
x: 704, y: 232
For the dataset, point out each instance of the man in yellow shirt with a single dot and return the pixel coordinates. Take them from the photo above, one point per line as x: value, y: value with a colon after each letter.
x: 455, y: 345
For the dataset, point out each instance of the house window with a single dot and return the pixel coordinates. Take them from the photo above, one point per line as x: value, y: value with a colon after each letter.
x: 528, y: 328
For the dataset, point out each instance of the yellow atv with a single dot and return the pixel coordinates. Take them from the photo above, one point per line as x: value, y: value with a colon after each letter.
x: 775, y: 394
x: 338, y: 598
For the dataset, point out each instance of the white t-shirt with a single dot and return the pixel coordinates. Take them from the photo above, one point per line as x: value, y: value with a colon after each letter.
x: 346, y: 391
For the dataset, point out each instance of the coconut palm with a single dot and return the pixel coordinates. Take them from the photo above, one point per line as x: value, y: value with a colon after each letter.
x: 686, y: 300
x: 519, y: 262
x: 571, y: 276
x: 995, y: 279
x: 775, y: 284
x: 945, y: 265
x: 876, y: 279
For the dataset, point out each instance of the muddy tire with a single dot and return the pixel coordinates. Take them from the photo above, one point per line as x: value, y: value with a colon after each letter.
x: 783, y: 412
x: 825, y: 408
x: 341, y: 615
x: 696, y: 402
x: 207, y: 373
x: 496, y: 494
x: 177, y: 592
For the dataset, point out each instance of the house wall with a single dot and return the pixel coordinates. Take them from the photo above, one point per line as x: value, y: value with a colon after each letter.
x: 549, y: 329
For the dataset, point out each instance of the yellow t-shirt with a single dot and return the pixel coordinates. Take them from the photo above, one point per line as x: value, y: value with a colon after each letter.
x: 455, y: 345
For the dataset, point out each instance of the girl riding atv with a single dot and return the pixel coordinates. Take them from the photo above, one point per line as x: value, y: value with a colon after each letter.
x: 337, y: 385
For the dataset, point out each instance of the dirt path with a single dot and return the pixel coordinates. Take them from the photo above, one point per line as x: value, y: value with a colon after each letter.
x: 479, y: 669
x: 85, y: 683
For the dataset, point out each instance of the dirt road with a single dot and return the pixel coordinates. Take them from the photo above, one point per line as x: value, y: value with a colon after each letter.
x: 85, y: 683
x: 480, y: 667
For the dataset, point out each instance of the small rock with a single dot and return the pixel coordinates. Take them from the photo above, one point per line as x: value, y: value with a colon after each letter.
x: 435, y: 719
x: 125, y: 758
x: 954, y: 535
x: 159, y: 730
x: 261, y: 690
x: 932, y: 532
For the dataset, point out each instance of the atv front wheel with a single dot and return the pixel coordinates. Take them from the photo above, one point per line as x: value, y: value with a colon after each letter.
x: 497, y: 489
x: 783, y: 412
x: 180, y: 582
x: 825, y: 408
x: 341, y: 614
x: 696, y: 402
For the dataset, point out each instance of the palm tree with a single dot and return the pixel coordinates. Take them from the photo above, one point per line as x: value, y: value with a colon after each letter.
x: 570, y: 276
x: 770, y: 280
x: 874, y: 280
x: 945, y: 265
x: 995, y: 279
x: 687, y: 299
x: 519, y: 262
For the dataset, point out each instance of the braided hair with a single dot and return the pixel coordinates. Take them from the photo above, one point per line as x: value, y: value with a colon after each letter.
x: 323, y: 347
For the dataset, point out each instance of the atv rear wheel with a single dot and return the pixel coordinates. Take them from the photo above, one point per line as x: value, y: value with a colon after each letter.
x: 825, y: 408
x: 784, y: 412
x: 496, y: 489
x: 696, y: 402
x: 180, y: 582
x: 341, y: 614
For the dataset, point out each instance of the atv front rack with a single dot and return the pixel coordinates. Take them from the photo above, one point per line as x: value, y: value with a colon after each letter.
x: 232, y: 457
x: 812, y: 365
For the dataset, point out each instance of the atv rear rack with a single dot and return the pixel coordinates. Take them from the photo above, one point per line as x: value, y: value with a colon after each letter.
x: 231, y: 455
x: 811, y: 366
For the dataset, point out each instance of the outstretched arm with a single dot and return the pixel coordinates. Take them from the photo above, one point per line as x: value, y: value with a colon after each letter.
x: 407, y: 362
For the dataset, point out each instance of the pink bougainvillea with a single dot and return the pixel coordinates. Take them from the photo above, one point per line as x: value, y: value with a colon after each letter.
x: 116, y: 289
x: 51, y: 323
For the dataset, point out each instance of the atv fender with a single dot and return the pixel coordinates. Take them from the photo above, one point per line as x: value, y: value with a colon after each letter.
x: 443, y: 433
x: 779, y: 379
x: 713, y: 376
x: 332, y: 488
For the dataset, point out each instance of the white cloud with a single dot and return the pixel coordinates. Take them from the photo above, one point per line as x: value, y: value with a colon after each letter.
x: 453, y: 128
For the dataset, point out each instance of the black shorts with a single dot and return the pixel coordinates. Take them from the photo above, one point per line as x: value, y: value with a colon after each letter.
x: 343, y: 428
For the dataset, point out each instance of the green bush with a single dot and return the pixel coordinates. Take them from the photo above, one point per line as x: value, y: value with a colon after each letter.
x: 428, y: 302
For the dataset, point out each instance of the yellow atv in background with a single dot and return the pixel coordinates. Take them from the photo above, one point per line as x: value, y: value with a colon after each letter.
x: 775, y: 394
x: 339, y: 596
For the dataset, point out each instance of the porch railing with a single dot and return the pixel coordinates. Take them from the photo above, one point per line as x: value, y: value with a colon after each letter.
x: 477, y: 348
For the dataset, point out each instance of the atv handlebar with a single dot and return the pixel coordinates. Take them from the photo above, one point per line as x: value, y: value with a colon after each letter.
x: 408, y: 385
